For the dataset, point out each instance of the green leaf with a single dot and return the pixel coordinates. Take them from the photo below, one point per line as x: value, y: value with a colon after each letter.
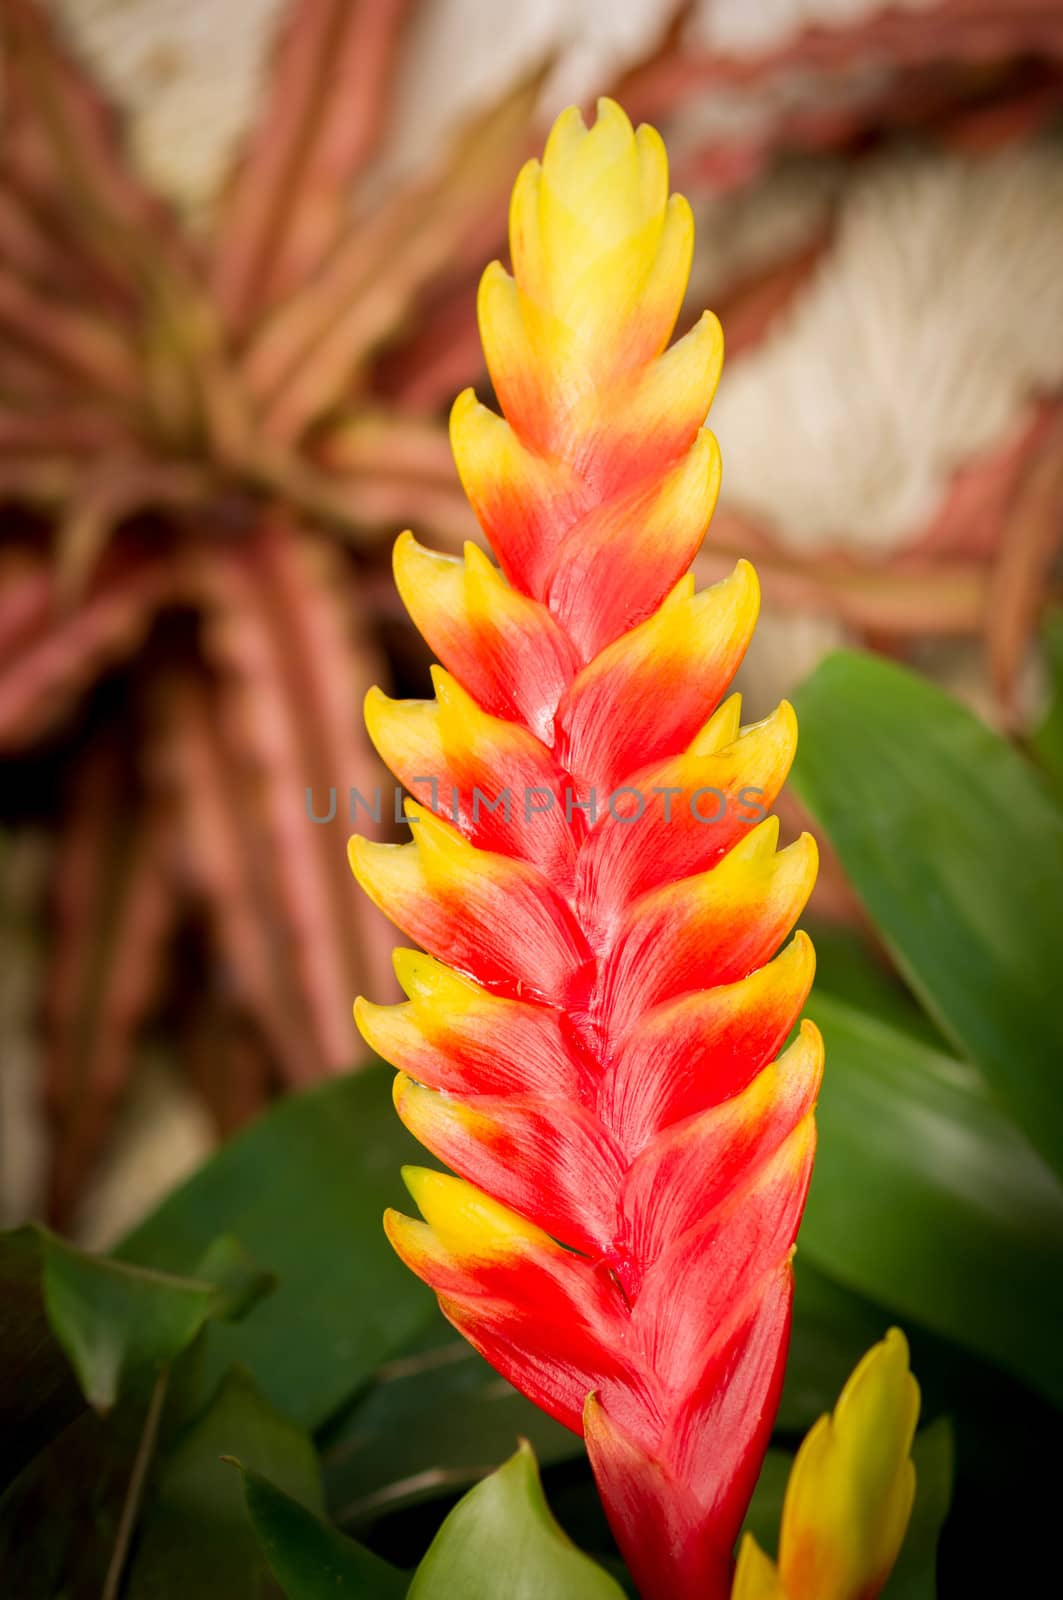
x: 926, y: 1198
x: 956, y: 848
x: 832, y: 1327
x: 239, y: 1283
x: 39, y: 1395
x: 59, y: 1518
x: 501, y: 1540
x: 399, y: 1443
x: 67, y: 1472
x: 310, y: 1559
x: 304, y: 1189
x: 197, y: 1538
x: 848, y: 968
x: 113, y: 1320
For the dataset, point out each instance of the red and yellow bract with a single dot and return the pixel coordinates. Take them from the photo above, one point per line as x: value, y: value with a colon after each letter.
x: 591, y: 1042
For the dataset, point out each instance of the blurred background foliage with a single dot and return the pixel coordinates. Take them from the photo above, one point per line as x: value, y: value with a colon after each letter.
x: 238, y: 255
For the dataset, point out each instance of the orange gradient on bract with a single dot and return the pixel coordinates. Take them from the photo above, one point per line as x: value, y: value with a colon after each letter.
x: 594, y: 1039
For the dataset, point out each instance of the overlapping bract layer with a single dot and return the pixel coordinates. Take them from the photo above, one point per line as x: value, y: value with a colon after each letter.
x: 592, y: 1040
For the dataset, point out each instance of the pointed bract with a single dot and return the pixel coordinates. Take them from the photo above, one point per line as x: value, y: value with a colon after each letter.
x: 850, y: 1492
x: 592, y: 1042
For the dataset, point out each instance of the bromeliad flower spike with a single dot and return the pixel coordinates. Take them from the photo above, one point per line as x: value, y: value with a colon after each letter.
x: 591, y: 1041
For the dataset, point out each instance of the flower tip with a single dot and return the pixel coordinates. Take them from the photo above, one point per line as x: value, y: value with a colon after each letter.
x: 802, y: 946
x: 406, y: 556
x: 378, y: 1026
x: 785, y: 716
x: 466, y: 400
x: 896, y: 1342
x: 447, y: 691
x: 710, y: 329
x: 745, y: 576
x: 755, y: 1575
x: 357, y: 854
x: 807, y: 845
x: 886, y: 1370
x: 810, y: 1036
x: 387, y: 872
x: 609, y: 110
x: 477, y: 561
x: 405, y: 553
x: 410, y: 1239
x: 567, y: 131
x: 414, y: 971
x: 375, y: 708
x: 466, y: 1222
x: 395, y: 1223
x: 418, y: 1181
x: 760, y: 843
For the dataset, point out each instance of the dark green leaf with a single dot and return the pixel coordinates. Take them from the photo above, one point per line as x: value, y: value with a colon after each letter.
x: 113, y: 1319
x: 197, y: 1538
x: 304, y: 1189
x: 832, y: 1327
x: 118, y: 1327
x: 238, y: 1282
x: 401, y: 1442
x: 38, y: 1392
x: 59, y: 1518
x: 926, y: 1198
x: 995, y: 1418
x: 956, y: 848
x: 501, y: 1540
x: 310, y: 1559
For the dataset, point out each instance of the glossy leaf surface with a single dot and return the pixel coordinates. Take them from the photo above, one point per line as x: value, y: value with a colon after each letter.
x: 310, y: 1559
x: 502, y: 1540
x: 303, y: 1190
x: 927, y: 1199
x: 196, y: 1537
x: 954, y: 844
x: 434, y: 1420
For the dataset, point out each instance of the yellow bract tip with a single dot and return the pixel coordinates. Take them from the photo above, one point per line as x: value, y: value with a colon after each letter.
x: 423, y: 978
x: 802, y: 952
x: 721, y: 728
x: 357, y: 849
x: 440, y: 845
x: 755, y: 1575
x: 850, y: 1492
x: 467, y: 1222
x: 759, y: 844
